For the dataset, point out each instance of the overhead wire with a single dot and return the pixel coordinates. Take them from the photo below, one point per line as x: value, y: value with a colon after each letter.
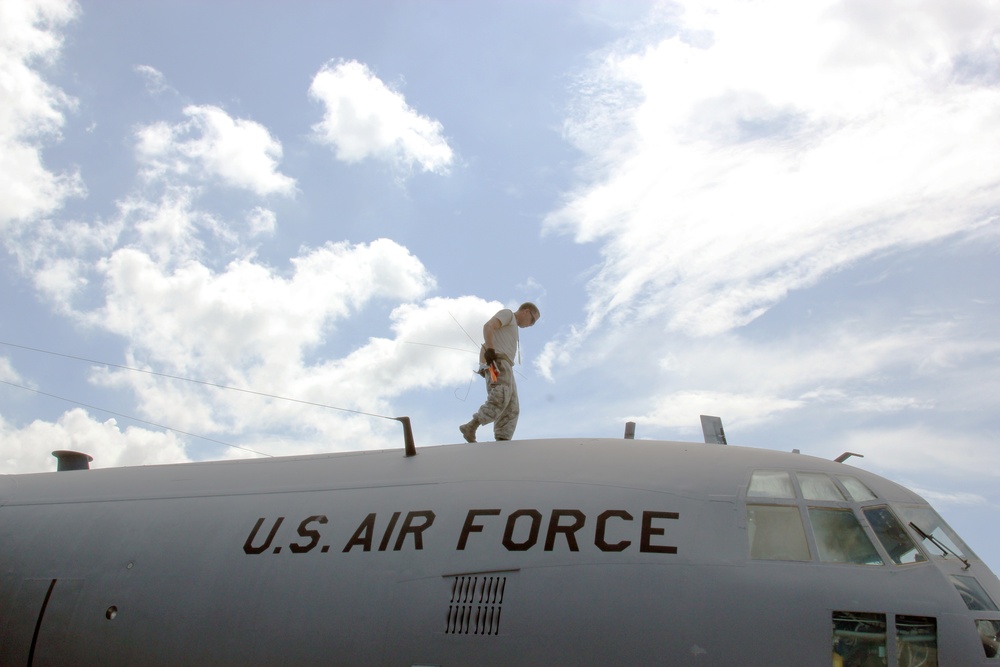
x: 211, y: 384
x: 457, y: 349
x: 201, y: 382
x: 142, y: 421
x: 478, y: 345
x: 180, y: 378
x: 440, y: 347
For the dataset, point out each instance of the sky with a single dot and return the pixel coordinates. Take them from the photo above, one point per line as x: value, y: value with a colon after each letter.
x: 259, y: 228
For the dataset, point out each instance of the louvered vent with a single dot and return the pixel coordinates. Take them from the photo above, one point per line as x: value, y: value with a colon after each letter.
x: 475, y: 605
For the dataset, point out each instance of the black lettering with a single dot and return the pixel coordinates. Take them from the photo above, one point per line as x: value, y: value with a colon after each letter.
x: 363, y: 535
x: 508, y: 534
x: 388, y: 531
x: 416, y: 531
x: 569, y: 531
x: 471, y: 527
x: 312, y: 534
x: 602, y: 524
x: 249, y: 548
x: 649, y: 531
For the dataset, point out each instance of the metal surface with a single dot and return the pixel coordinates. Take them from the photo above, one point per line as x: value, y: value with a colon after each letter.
x: 711, y: 427
x: 560, y: 552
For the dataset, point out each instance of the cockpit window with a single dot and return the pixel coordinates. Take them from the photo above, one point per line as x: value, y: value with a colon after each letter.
x: 973, y: 594
x: 771, y: 484
x: 776, y: 533
x: 937, y: 536
x: 893, y: 536
x: 840, y: 538
x: 803, y: 515
x: 817, y: 486
x: 989, y: 633
x: 859, y: 492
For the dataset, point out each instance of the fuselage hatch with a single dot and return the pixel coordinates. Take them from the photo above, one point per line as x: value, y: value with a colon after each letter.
x: 531, y: 552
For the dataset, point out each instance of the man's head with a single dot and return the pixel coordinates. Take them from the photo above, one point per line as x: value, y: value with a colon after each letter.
x: 527, y: 315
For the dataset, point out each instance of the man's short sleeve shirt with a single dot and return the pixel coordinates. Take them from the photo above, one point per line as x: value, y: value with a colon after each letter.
x: 505, y: 338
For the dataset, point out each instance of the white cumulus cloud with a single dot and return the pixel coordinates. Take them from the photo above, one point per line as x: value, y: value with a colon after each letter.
x: 29, y: 449
x: 31, y: 110
x: 213, y: 145
x: 364, y: 118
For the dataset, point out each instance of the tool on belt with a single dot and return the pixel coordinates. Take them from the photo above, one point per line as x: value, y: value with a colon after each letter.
x: 490, y: 366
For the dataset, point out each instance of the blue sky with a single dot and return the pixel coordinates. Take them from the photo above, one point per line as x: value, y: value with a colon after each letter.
x: 781, y: 213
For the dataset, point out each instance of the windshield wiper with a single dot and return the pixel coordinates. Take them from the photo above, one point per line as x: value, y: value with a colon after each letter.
x: 944, y: 550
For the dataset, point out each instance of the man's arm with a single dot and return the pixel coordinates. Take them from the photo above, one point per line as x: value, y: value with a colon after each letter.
x: 488, y: 330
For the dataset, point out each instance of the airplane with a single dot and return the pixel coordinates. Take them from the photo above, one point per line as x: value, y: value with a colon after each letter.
x: 571, y: 551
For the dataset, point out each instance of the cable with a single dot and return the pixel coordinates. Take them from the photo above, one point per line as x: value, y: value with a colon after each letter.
x: 143, y: 421
x: 442, y: 347
x: 478, y: 345
x: 203, y: 382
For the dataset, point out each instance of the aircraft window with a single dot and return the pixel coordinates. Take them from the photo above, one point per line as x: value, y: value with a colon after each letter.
x: 840, y: 538
x: 859, y: 492
x: 893, y: 536
x: 771, y: 484
x: 776, y: 533
x: 817, y: 486
x: 975, y: 596
x: 916, y: 641
x: 989, y: 633
x: 858, y: 639
x: 937, y: 536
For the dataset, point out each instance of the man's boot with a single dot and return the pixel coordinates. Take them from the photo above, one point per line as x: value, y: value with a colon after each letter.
x: 469, y: 429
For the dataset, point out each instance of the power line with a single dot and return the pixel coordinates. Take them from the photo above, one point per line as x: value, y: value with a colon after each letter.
x: 440, y: 347
x: 124, y: 416
x: 201, y: 382
x: 478, y: 345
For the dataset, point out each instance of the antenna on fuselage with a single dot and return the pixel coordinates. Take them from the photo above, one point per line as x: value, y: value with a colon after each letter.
x: 630, y: 430
x: 408, y: 446
x: 846, y: 455
x: 712, y: 428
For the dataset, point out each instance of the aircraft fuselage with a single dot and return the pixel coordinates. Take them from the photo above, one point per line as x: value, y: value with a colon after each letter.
x: 561, y: 552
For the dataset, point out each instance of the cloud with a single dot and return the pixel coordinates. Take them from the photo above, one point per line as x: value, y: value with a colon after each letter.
x: 29, y: 449
x: 250, y: 326
x: 785, y: 143
x: 679, y: 409
x: 31, y: 112
x: 151, y: 274
x: 261, y: 221
x: 861, y: 370
x: 156, y: 83
x: 923, y: 450
x: 938, y: 498
x: 191, y: 312
x: 212, y: 145
x: 364, y: 119
x: 7, y: 372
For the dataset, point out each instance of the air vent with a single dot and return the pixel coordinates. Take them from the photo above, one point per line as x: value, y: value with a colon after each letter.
x: 475, y: 605
x: 67, y: 460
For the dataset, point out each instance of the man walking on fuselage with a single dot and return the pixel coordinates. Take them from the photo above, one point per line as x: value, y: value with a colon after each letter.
x: 501, y: 408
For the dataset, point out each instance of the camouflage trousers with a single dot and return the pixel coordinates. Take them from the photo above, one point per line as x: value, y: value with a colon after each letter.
x: 501, y: 406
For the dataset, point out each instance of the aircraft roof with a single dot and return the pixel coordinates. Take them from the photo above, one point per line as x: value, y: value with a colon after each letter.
x: 689, y: 469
